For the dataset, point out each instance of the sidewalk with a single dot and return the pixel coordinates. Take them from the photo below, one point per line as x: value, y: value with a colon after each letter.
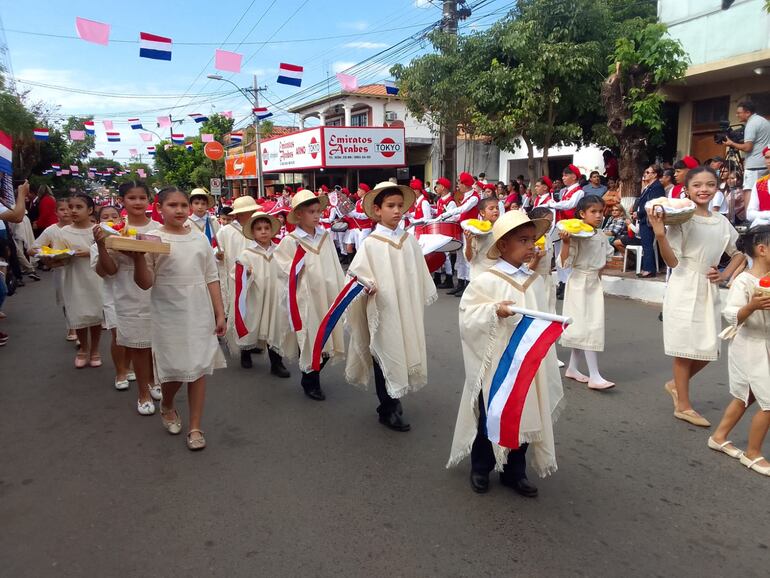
x: 628, y: 285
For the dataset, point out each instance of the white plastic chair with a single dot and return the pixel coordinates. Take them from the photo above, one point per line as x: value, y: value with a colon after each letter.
x: 638, y: 251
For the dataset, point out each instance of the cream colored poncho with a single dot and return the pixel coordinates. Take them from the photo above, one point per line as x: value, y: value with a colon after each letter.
x: 484, y: 338
x: 265, y: 317
x: 389, y: 324
x: 320, y: 281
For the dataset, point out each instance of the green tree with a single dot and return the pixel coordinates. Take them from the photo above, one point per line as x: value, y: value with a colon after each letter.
x: 266, y: 128
x: 185, y: 169
x: 78, y: 150
x: 218, y: 125
x: 644, y: 60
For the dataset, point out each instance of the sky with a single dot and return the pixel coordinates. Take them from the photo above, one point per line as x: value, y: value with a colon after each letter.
x: 113, y: 83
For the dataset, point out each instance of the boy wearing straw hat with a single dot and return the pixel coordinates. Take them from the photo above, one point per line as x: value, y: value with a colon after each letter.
x: 232, y: 242
x: 387, y: 330
x: 486, y: 326
x: 312, y: 277
x: 264, y: 319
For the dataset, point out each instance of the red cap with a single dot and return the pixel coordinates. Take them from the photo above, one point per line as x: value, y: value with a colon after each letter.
x: 345, y: 190
x: 289, y: 189
x: 444, y: 182
x: 364, y: 187
x: 548, y: 182
x: 765, y: 151
x: 690, y: 162
x: 572, y: 169
x: 324, y: 188
x: 415, y: 184
x: 467, y: 179
x: 490, y: 187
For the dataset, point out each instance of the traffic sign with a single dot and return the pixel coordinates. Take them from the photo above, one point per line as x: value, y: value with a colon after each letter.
x: 216, y: 187
x: 214, y: 150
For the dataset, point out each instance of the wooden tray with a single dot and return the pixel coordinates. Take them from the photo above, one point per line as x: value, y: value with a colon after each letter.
x: 117, y: 243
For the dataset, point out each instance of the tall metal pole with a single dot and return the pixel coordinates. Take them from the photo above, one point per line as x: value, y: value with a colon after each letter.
x: 260, y: 182
x: 449, y: 141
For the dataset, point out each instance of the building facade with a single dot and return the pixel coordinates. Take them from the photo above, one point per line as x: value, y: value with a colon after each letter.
x: 729, y: 47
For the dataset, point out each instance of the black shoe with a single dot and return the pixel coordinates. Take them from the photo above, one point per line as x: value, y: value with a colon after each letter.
x: 246, y: 360
x: 521, y: 486
x: 257, y: 350
x: 480, y: 482
x: 34, y: 276
x: 315, y: 393
x: 277, y: 367
x: 560, y: 291
x: 394, y: 421
x: 460, y: 287
x: 459, y: 293
x: 311, y: 385
x: 437, y: 279
x: 660, y: 316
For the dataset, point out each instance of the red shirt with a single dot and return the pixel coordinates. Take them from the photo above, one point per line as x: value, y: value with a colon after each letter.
x: 46, y: 212
x: 763, y: 194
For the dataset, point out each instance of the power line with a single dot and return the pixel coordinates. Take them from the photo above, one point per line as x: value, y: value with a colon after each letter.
x: 112, y: 94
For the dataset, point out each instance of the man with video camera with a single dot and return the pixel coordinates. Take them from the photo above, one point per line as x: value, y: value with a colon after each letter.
x: 755, y: 138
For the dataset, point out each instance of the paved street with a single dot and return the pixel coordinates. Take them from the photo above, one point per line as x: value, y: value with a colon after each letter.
x: 290, y: 487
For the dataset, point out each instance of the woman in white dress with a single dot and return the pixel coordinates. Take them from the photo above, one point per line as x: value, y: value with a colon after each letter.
x: 691, y: 310
x: 132, y: 305
x: 583, y: 295
x: 81, y: 286
x: 120, y: 360
x: 187, y: 314
x: 748, y: 313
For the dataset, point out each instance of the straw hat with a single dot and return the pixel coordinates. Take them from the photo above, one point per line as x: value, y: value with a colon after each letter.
x: 512, y: 220
x: 245, y: 204
x: 369, y: 197
x: 202, y: 192
x: 302, y: 197
x: 275, y: 224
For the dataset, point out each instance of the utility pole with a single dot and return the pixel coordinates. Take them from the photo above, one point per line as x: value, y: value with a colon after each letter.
x: 451, y: 14
x: 260, y: 180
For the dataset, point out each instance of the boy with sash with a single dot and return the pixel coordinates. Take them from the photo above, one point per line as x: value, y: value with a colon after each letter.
x: 486, y: 327
x: 387, y: 329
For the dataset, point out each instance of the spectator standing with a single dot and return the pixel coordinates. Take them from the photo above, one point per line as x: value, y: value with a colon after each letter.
x: 756, y: 138
x: 594, y: 185
x: 651, y: 189
x: 610, y: 165
x: 45, y: 216
x: 668, y: 181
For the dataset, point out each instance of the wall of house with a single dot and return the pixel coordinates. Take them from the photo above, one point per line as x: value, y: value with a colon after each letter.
x: 709, y: 33
x: 514, y: 163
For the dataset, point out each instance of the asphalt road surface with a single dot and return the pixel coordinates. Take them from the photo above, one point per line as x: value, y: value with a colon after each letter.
x: 292, y: 487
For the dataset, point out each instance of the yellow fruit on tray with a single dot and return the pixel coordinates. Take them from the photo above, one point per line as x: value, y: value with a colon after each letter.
x: 540, y: 243
x: 479, y: 224
x: 573, y: 226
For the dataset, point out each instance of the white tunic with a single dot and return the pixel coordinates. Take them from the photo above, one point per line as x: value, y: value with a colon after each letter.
x: 749, y: 353
x: 132, y: 304
x: 389, y: 325
x: 231, y: 242
x: 320, y: 281
x: 184, y: 343
x: 544, y: 269
x: 691, y: 310
x: 266, y: 318
x: 479, y: 263
x: 583, y: 295
x: 81, y: 286
x: 108, y: 292
x: 484, y: 339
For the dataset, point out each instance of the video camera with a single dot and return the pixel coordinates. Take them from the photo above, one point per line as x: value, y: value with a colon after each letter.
x: 726, y: 131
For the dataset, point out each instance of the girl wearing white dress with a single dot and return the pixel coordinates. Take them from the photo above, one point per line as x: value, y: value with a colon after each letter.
x: 132, y: 305
x: 120, y: 360
x: 583, y: 295
x: 187, y: 314
x: 81, y: 286
x: 691, y: 310
x: 748, y: 313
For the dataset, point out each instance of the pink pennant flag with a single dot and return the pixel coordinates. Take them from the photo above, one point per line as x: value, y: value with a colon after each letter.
x: 207, y: 137
x: 99, y: 154
x: 228, y: 114
x: 77, y: 135
x: 348, y: 82
x: 91, y: 31
x: 228, y: 61
x: 74, y: 168
x: 107, y: 124
x: 146, y: 136
x: 141, y: 173
x: 133, y: 152
x: 91, y: 175
x: 164, y: 121
x: 65, y: 171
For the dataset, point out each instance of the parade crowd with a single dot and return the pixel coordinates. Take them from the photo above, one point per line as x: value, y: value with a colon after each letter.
x: 266, y: 275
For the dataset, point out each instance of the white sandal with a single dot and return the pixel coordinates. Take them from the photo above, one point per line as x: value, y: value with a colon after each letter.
x: 752, y: 465
x: 733, y: 453
x: 173, y: 426
x: 195, y: 444
x: 121, y: 384
x: 156, y: 392
x: 145, y: 407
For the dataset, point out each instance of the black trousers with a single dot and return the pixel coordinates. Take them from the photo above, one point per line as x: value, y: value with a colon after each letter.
x: 387, y: 404
x: 483, y: 457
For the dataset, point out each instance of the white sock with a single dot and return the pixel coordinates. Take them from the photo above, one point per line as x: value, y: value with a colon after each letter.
x: 573, y: 360
x: 592, y: 360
